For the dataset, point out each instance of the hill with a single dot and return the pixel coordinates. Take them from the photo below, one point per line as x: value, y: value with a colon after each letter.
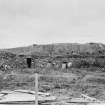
x: 60, y: 49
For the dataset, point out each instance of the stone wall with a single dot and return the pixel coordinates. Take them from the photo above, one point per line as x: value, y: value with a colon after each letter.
x: 9, y: 61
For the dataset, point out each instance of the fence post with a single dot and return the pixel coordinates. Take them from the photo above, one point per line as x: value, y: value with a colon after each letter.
x: 36, y: 89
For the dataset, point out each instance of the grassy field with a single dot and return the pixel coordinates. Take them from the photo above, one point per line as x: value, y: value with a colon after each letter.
x: 71, y: 83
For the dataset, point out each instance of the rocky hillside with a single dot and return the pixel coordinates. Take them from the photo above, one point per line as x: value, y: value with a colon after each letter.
x: 60, y: 49
x: 81, y: 55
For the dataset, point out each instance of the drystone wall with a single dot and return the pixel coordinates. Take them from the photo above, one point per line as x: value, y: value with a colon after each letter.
x: 9, y: 61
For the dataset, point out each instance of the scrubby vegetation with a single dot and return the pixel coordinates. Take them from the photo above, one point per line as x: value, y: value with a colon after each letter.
x: 85, y: 76
x: 76, y: 80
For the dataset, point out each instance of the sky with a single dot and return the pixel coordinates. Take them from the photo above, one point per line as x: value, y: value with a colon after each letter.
x: 26, y: 22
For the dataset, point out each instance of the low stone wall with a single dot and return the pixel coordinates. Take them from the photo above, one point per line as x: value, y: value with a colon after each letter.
x: 10, y: 61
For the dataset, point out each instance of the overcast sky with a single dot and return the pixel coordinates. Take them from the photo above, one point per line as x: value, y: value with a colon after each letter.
x: 26, y: 22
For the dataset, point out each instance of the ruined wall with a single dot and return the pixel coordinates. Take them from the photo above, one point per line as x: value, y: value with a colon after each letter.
x: 10, y: 61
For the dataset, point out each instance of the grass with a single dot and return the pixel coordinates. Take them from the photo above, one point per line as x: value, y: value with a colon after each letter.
x: 58, y: 82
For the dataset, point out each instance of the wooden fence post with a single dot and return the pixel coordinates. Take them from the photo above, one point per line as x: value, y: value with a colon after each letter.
x: 36, y: 89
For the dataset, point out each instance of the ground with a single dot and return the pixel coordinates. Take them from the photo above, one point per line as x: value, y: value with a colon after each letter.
x: 63, y: 84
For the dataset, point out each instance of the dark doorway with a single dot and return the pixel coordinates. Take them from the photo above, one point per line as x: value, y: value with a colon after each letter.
x: 29, y: 62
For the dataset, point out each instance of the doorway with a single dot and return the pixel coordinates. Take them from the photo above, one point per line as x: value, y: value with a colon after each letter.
x: 29, y: 60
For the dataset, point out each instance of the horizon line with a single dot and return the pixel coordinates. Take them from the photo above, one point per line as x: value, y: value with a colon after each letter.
x: 50, y: 44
